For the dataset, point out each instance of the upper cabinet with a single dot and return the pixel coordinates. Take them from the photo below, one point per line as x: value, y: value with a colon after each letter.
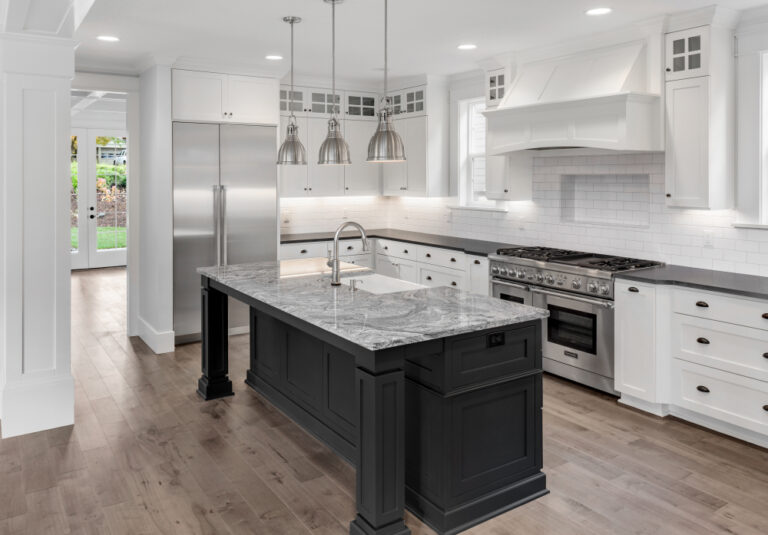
x: 700, y: 118
x: 509, y: 177
x: 361, y: 105
x: 360, y: 177
x: 495, y: 84
x: 687, y: 53
x: 423, y: 125
x: 222, y: 98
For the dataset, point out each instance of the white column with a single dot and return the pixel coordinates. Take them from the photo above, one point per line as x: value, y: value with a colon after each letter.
x: 37, y: 390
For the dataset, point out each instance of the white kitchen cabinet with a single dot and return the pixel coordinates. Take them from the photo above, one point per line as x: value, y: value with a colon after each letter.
x: 199, y: 96
x: 387, y: 265
x: 433, y: 276
x: 509, y: 177
x: 411, y: 177
x: 223, y: 98
x: 478, y: 275
x: 361, y: 105
x: 687, y: 53
x: 635, y: 350
x: 252, y: 100
x: 700, y: 115
x: 315, y: 249
x: 408, y: 270
x: 294, y: 179
x: 496, y: 83
x: 361, y: 177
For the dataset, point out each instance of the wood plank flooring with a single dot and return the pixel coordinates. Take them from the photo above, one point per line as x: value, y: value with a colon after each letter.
x: 146, y: 456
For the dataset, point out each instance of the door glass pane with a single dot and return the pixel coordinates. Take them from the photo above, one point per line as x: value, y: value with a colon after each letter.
x: 678, y: 64
x: 572, y: 328
x: 694, y: 43
x: 678, y: 46
x: 74, y: 230
x: 694, y: 61
x: 111, y: 192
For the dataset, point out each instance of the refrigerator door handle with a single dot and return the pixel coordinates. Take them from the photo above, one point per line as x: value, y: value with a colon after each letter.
x: 217, y: 221
x: 223, y: 224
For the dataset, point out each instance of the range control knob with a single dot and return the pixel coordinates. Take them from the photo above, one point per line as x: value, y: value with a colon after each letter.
x: 576, y: 284
x: 495, y: 270
x: 592, y: 287
x: 539, y: 277
x: 549, y: 279
x: 604, y: 289
x: 503, y: 271
x: 521, y: 274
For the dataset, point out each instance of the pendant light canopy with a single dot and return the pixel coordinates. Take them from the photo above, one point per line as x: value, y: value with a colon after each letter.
x: 334, y: 150
x: 386, y: 145
x: 292, y: 151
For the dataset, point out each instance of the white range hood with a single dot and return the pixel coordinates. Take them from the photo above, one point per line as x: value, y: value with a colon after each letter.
x: 596, y: 99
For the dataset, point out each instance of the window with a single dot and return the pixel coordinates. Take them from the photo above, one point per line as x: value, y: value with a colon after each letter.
x: 472, y: 148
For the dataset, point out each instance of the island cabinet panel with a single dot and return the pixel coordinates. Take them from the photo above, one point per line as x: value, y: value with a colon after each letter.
x: 303, y: 368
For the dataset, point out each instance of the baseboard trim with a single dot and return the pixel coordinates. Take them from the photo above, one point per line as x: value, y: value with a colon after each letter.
x: 158, y: 342
x: 37, y: 405
x: 658, y: 409
x: 719, y: 426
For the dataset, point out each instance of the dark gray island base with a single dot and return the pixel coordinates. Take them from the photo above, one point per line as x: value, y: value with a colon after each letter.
x: 449, y: 427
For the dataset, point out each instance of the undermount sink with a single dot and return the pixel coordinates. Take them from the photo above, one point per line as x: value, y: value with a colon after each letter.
x: 381, y: 284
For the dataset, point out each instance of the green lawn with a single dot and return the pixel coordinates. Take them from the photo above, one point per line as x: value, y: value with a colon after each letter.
x: 107, y: 237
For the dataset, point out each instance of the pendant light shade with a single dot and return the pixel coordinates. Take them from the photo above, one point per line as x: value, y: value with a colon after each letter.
x: 292, y: 151
x: 334, y: 150
x: 386, y: 145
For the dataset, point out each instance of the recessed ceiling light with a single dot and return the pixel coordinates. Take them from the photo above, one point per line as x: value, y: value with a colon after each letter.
x: 273, y: 57
x: 108, y: 38
x: 599, y: 11
x: 467, y: 46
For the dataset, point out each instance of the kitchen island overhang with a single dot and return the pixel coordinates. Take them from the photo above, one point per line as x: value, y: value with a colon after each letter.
x: 433, y: 394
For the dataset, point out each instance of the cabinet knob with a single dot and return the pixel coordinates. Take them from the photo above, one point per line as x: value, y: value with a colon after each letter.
x: 506, y: 191
x: 703, y: 340
x: 765, y: 408
x: 669, y: 195
x: 310, y: 189
x: 669, y: 70
x: 405, y: 251
x: 702, y: 388
x: 303, y: 251
x: 477, y: 262
x: 230, y: 115
x: 429, y: 277
x: 765, y: 355
x: 702, y: 304
x: 765, y: 316
x: 92, y: 216
x: 349, y: 247
x: 429, y: 255
x: 386, y: 247
x: 453, y: 283
x: 346, y: 187
x: 453, y: 260
x: 633, y: 289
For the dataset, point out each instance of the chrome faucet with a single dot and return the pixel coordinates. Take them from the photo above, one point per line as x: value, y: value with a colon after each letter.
x: 333, y: 261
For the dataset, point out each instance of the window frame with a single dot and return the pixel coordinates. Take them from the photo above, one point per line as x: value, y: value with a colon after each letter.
x: 467, y: 156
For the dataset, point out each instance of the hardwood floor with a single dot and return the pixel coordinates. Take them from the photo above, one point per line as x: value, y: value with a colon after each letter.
x: 146, y: 455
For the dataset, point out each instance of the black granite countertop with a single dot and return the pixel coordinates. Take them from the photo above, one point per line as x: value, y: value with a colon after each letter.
x: 475, y: 247
x: 705, y: 279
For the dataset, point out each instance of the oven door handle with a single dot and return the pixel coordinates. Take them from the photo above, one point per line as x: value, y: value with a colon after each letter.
x: 564, y: 295
x: 511, y: 285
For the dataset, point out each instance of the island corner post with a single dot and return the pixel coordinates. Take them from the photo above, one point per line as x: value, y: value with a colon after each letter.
x: 379, y: 399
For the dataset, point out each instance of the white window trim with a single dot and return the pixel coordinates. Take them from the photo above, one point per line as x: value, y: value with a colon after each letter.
x: 466, y: 200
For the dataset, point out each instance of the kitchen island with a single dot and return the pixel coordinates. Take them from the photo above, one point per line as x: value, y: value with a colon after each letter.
x: 433, y: 394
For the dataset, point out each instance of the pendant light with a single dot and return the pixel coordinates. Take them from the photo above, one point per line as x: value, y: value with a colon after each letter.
x: 334, y: 150
x: 386, y: 145
x: 292, y: 151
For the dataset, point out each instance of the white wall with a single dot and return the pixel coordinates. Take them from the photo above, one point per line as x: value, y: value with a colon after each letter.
x: 37, y: 386
x: 326, y: 214
x: 155, y: 317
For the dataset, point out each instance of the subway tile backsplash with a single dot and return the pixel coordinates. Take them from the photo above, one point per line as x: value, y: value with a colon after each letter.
x: 573, y: 206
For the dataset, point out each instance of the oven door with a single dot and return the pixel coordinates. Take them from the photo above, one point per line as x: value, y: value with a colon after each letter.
x: 579, y: 330
x: 511, y: 291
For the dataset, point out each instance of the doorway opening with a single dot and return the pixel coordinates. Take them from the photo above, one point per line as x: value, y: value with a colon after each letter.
x: 99, y: 169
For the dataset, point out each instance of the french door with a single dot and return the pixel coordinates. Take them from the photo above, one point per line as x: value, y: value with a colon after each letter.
x: 98, y: 198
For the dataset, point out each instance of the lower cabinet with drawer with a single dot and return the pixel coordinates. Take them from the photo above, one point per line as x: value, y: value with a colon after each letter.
x: 315, y: 249
x: 434, y: 276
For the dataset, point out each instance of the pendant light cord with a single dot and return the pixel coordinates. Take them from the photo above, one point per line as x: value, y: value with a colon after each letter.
x: 292, y: 118
x: 386, y: 65
x: 333, y: 54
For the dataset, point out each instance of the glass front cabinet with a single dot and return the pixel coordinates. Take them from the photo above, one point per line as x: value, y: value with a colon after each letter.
x: 687, y: 53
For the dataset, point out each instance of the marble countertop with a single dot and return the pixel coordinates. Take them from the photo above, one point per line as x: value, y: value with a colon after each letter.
x: 372, y: 321
x: 704, y: 279
x: 475, y: 247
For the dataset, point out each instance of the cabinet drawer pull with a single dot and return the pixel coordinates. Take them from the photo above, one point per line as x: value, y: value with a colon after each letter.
x: 702, y: 304
x: 702, y: 340
x: 765, y: 408
x: 386, y: 247
x: 765, y: 355
x: 429, y: 255
x: 453, y: 260
x: 453, y: 283
x: 303, y: 251
x: 429, y: 277
x: 633, y: 290
x: 405, y: 251
x: 765, y: 316
x: 349, y: 247
x: 477, y: 262
x: 702, y: 388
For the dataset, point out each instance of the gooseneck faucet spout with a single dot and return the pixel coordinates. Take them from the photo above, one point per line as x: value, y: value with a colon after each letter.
x: 333, y: 260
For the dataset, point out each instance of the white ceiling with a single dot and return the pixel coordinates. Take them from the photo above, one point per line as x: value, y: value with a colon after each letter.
x: 423, y: 33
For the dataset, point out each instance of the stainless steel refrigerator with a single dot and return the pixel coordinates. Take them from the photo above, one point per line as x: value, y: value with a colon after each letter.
x: 225, y: 211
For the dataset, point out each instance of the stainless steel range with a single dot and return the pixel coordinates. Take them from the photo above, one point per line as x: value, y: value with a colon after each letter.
x: 577, y: 289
